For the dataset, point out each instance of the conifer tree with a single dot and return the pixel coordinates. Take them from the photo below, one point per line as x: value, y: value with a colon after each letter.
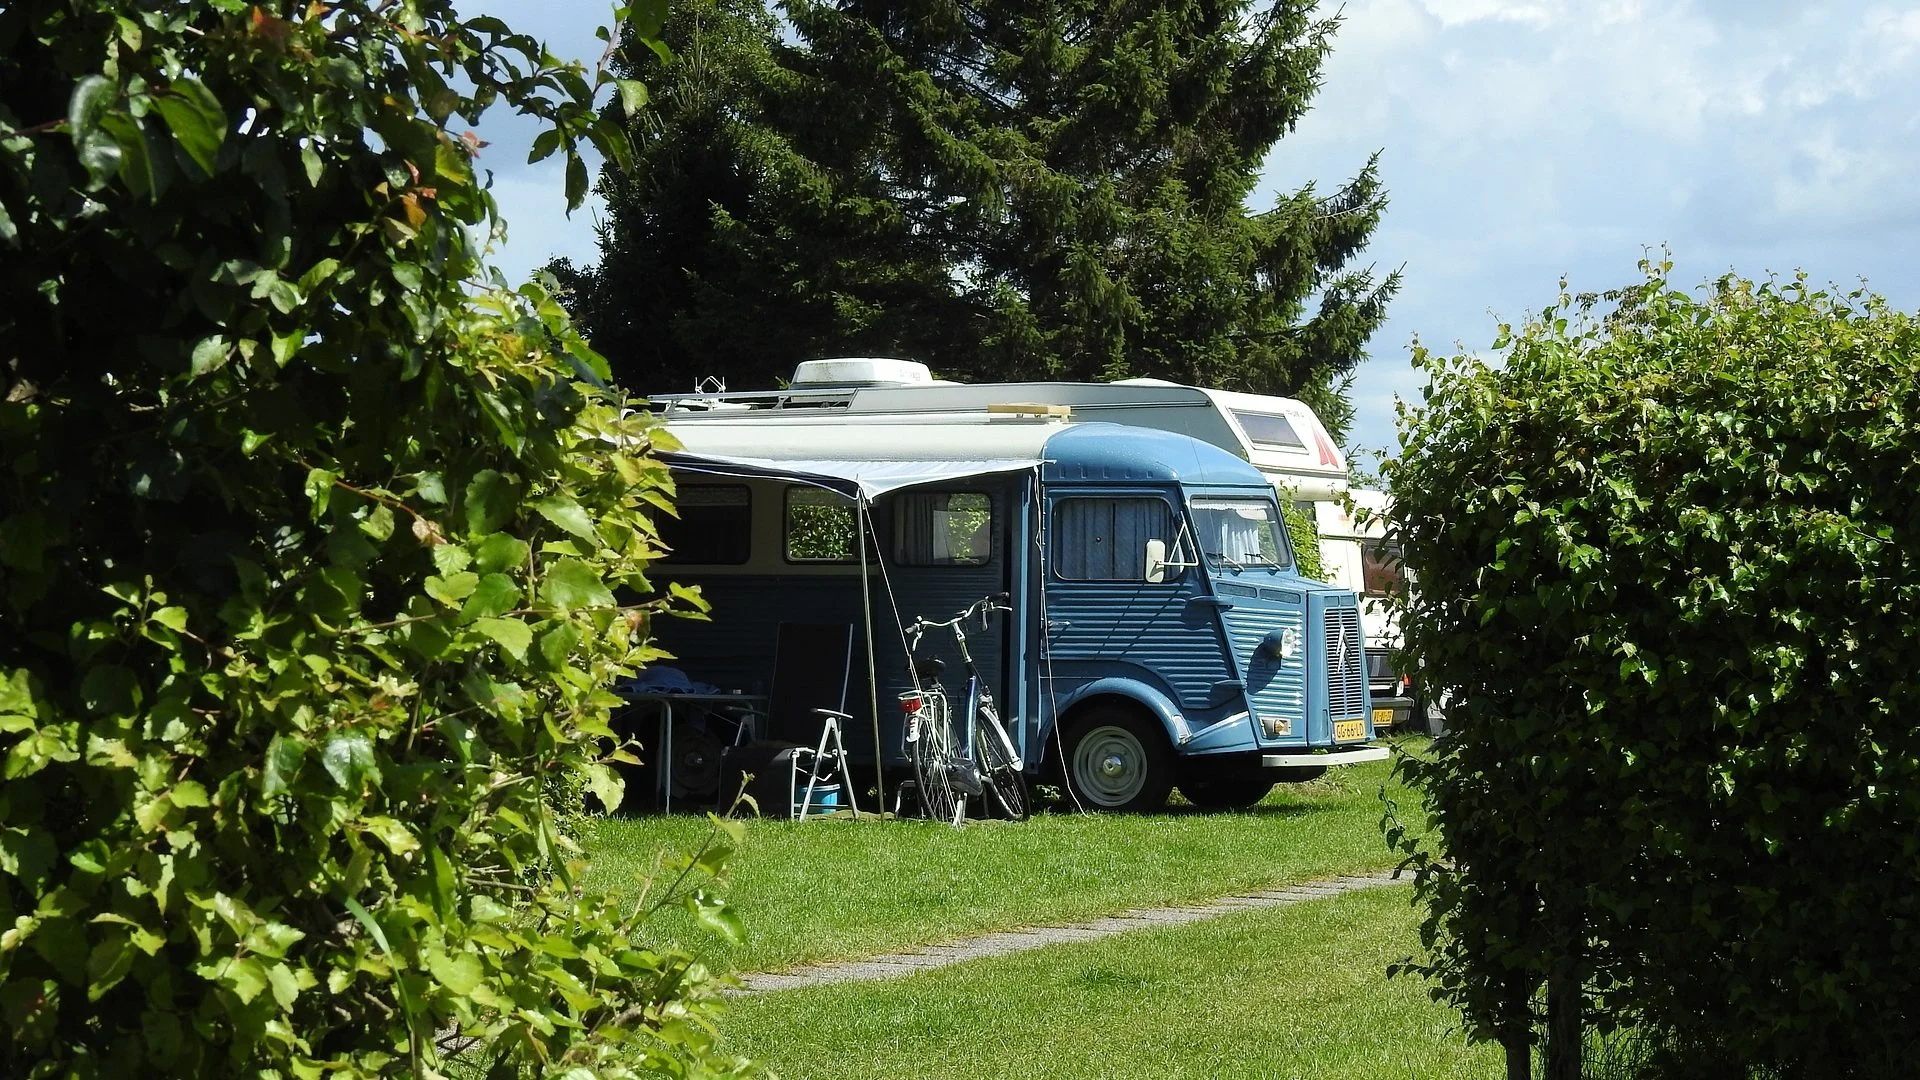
x: 1004, y: 188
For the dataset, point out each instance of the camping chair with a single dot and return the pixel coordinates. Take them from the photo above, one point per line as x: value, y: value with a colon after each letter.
x: 806, y: 709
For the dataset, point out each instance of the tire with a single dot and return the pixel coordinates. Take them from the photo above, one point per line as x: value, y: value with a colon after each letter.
x: 1117, y: 759
x: 1227, y: 792
x: 1006, y: 785
x: 933, y: 750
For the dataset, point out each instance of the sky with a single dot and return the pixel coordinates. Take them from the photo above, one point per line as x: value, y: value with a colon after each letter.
x: 1526, y: 140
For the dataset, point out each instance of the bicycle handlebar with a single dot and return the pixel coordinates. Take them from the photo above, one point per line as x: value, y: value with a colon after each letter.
x: 983, y: 607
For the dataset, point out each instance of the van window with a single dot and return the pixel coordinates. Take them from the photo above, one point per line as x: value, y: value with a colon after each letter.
x: 1267, y: 430
x: 715, y: 526
x: 819, y: 526
x: 943, y: 528
x: 1105, y: 539
x: 1240, y: 532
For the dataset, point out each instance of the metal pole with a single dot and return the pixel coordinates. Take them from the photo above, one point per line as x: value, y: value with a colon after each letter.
x: 873, y: 678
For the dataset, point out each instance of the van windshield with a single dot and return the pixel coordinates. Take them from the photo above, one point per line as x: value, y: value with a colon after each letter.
x: 1240, y: 533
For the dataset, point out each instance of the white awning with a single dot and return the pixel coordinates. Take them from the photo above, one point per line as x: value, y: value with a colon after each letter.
x: 870, y: 460
x: 869, y: 478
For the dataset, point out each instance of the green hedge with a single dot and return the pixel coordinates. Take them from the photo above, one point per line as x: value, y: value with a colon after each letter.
x: 1669, y: 565
x: 309, y: 531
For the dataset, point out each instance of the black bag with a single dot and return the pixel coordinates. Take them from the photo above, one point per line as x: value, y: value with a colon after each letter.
x: 769, y: 767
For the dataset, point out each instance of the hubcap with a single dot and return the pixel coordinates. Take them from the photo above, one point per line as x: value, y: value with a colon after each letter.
x: 1109, y: 766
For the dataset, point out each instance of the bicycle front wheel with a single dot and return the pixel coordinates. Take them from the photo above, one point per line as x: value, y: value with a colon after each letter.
x: 934, y: 750
x: 1000, y: 770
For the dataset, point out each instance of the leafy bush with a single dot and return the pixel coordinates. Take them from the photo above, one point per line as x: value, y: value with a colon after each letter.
x: 307, y: 544
x: 1667, y: 562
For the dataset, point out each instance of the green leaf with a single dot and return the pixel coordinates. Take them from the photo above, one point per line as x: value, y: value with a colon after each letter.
x: 500, y: 551
x: 605, y: 785
x: 348, y: 758
x: 108, y: 963
x: 646, y: 18
x: 393, y: 834
x: 194, y: 116
x: 460, y: 973
x: 495, y: 595
x: 633, y: 95
x: 576, y: 181
x: 211, y: 354
x: 451, y: 558
x: 285, y: 985
x: 490, y: 502
x: 570, y: 584
x: 188, y: 793
x: 714, y: 914
x: 453, y: 588
x: 27, y: 854
x: 567, y: 514
x: 378, y: 522
x: 557, y: 645
x: 484, y: 908
x: 284, y: 755
x: 99, y: 152
x: 246, y: 977
x: 512, y: 634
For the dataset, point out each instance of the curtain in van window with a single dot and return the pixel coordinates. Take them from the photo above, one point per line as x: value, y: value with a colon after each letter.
x: 1234, y: 535
x: 1097, y: 539
x: 915, y: 540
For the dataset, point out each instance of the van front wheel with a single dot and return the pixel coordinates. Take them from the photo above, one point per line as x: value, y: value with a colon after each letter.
x: 1117, y: 759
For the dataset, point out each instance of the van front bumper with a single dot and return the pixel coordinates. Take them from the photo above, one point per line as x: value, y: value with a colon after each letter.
x: 1354, y: 756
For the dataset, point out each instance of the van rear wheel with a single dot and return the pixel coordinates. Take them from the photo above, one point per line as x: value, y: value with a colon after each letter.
x: 1117, y: 759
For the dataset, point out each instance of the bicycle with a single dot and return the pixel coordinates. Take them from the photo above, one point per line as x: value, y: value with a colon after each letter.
x: 984, y: 763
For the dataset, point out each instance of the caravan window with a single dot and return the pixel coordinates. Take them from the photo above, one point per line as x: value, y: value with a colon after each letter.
x: 715, y: 526
x: 1103, y: 539
x: 819, y: 526
x: 943, y: 528
x: 1267, y: 430
x: 1379, y: 568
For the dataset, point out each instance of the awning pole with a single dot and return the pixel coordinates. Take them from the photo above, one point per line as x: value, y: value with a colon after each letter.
x: 873, y: 677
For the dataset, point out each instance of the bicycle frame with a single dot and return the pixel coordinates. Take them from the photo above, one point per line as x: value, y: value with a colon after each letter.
x: 978, y: 697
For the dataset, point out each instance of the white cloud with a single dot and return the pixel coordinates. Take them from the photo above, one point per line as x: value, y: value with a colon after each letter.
x: 1529, y: 138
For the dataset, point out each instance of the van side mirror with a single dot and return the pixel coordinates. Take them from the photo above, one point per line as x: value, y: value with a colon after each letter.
x: 1156, y: 561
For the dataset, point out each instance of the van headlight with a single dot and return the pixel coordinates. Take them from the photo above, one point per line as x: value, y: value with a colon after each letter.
x: 1283, y: 643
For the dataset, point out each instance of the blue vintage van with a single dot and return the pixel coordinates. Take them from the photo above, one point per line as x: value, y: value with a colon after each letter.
x: 1159, y: 635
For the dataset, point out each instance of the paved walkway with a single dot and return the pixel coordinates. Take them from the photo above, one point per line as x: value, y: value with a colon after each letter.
x: 1003, y: 942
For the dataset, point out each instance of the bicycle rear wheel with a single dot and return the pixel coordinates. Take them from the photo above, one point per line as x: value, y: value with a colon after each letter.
x: 932, y: 747
x: 1000, y: 770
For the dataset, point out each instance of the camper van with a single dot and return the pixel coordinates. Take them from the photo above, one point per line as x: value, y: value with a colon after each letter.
x: 1156, y: 633
x: 1281, y: 437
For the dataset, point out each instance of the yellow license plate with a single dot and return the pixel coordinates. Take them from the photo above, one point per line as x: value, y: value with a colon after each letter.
x: 1382, y: 716
x: 1344, y: 730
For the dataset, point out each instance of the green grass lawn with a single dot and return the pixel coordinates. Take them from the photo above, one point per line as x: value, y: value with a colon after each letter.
x: 1299, y: 991
x: 838, y: 889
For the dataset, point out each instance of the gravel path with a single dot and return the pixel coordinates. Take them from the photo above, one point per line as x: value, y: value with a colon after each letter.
x: 1003, y: 942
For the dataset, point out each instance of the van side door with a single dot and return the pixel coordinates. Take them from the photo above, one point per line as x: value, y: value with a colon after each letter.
x: 1105, y: 619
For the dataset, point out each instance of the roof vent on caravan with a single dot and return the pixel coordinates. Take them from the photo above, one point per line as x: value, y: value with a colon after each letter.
x: 849, y: 371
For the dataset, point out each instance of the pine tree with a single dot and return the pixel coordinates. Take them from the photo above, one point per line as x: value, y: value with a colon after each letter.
x: 1005, y: 188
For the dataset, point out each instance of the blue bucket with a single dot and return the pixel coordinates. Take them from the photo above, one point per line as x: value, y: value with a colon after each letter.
x: 826, y: 799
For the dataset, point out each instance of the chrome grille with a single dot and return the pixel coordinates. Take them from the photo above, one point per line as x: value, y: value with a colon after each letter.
x: 1346, y: 665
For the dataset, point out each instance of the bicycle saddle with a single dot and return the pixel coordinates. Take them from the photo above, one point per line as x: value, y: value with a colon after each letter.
x: 928, y: 668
